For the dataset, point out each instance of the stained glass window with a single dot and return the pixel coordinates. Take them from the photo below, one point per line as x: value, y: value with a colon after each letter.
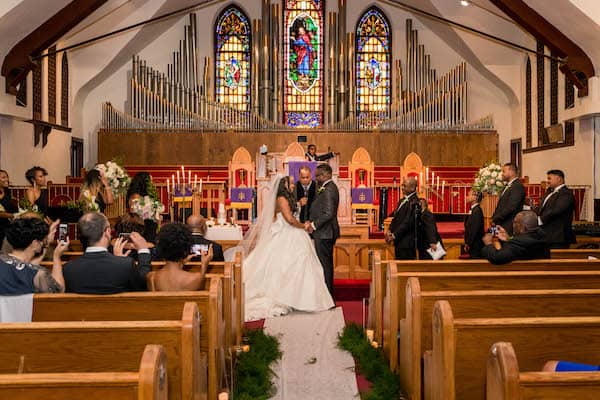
x: 232, y: 59
x: 373, y: 68
x: 303, y: 63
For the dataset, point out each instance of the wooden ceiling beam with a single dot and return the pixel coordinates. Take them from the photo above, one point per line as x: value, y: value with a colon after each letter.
x: 18, y: 62
x: 578, y: 65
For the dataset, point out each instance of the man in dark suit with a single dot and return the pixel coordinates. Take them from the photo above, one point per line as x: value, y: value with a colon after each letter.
x: 98, y: 271
x: 511, y: 198
x: 323, y: 223
x: 306, y: 189
x: 197, y: 223
x: 428, y: 235
x: 311, y: 154
x: 474, y: 229
x: 402, y: 231
x: 528, y: 243
x: 556, y: 211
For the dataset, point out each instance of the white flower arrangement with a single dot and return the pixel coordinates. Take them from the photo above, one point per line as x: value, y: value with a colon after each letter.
x: 89, y: 201
x: 489, y: 179
x: 117, y: 177
x: 148, y: 208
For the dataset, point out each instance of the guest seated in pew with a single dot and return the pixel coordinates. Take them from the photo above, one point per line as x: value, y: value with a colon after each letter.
x: 127, y: 224
x: 528, y: 242
x: 174, y: 244
x: 197, y: 224
x: 19, y: 270
x: 98, y: 271
x: 568, y: 366
x: 428, y: 233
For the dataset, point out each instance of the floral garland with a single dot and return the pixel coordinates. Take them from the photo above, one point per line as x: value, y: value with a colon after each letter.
x: 489, y: 179
x: 117, y: 176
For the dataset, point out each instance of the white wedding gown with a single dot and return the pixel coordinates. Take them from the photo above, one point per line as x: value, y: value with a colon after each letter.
x: 283, y: 273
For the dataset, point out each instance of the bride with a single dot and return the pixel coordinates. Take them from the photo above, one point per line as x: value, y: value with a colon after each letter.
x: 282, y: 271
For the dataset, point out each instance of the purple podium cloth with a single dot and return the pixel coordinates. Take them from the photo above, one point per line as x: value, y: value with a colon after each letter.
x: 241, y: 195
x: 294, y: 168
x: 362, y: 196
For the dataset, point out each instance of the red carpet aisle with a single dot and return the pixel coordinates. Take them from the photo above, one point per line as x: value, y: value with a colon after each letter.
x: 312, y: 367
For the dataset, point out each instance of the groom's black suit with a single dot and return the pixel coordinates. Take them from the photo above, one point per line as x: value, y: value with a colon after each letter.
x: 323, y: 215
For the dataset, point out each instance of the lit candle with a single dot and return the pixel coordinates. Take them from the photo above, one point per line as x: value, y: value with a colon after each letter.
x: 183, y: 175
x: 438, y: 182
x: 426, y: 174
x: 195, y: 180
x: 200, y: 186
x: 421, y: 178
x: 178, y: 181
x: 168, y: 187
x: 190, y: 177
x: 443, y: 184
x: 432, y: 179
x: 370, y: 334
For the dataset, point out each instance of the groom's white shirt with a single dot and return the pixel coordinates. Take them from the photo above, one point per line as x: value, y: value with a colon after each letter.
x: 312, y: 224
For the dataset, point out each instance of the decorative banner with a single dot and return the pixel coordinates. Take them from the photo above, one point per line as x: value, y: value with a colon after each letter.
x: 241, y: 195
x: 362, y: 196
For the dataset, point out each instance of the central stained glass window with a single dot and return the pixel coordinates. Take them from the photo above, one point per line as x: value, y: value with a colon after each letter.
x: 303, y: 63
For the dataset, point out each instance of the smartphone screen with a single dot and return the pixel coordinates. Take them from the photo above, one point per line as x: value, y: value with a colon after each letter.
x: 198, y: 249
x: 125, y: 236
x: 63, y: 232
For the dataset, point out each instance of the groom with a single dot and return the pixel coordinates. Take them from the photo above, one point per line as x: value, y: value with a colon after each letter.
x: 323, y: 223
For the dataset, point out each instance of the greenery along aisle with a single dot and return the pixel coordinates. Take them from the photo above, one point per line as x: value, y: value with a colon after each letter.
x: 371, y: 364
x: 254, y: 372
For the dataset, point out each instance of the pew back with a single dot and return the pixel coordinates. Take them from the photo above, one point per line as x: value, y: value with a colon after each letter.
x: 108, y: 346
x: 395, y: 302
x: 505, y: 382
x: 379, y: 267
x: 460, y: 347
x: 148, y: 383
x: 415, y: 329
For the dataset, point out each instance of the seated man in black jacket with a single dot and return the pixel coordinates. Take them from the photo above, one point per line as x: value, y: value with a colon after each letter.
x: 197, y: 223
x: 98, y: 271
x: 528, y: 243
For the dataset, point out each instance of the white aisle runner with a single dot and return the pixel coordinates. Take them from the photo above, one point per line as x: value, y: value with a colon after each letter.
x: 312, y: 367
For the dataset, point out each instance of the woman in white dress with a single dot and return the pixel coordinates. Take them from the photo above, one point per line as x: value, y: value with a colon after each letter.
x: 282, y: 271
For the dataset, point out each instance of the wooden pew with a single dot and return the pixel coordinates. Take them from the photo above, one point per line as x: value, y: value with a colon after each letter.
x: 415, y: 329
x: 395, y: 301
x: 233, y: 292
x: 504, y: 380
x: 145, y: 306
x: 108, y: 346
x: 456, y: 368
x: 574, y: 253
x: 147, y: 383
x: 379, y: 266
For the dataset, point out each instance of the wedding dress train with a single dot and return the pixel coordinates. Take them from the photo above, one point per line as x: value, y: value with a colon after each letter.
x: 283, y: 273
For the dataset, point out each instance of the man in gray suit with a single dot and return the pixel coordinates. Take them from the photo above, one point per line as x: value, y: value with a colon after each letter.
x: 323, y: 223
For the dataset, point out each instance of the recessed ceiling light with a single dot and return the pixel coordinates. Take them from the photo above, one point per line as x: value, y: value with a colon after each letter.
x: 464, y: 3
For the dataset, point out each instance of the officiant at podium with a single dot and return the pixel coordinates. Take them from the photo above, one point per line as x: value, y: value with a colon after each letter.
x: 306, y: 188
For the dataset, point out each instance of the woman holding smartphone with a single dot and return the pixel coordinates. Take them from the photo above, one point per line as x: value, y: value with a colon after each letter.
x: 175, y: 242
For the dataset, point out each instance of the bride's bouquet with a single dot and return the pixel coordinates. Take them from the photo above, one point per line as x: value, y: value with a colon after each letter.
x: 489, y: 179
x: 148, y: 208
x: 117, y: 177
